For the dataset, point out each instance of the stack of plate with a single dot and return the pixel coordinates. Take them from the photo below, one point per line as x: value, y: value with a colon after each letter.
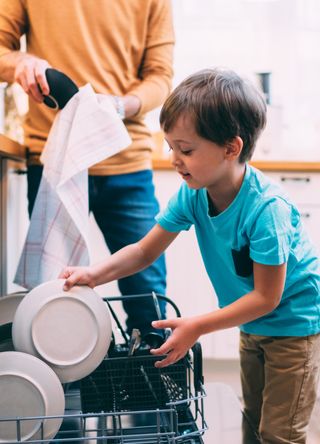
x: 8, y: 307
x: 29, y: 388
x: 70, y: 331
x: 58, y: 337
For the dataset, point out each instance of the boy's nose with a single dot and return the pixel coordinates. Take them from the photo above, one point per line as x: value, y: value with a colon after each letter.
x: 175, y: 161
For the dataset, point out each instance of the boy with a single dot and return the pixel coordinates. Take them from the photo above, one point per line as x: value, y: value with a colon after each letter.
x: 256, y: 252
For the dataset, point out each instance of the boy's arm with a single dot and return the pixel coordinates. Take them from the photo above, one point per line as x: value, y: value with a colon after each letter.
x: 269, y: 283
x: 125, y: 262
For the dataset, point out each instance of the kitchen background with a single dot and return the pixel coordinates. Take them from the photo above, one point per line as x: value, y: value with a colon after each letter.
x: 277, y: 37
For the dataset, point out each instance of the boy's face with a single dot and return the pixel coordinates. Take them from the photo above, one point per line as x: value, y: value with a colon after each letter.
x: 200, y: 162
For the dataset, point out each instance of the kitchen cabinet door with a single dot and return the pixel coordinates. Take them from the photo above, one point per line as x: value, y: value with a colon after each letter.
x: 17, y: 220
x: 303, y: 189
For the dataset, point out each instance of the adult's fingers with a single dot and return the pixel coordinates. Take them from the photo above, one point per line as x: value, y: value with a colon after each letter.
x: 32, y: 87
x: 40, y: 75
x: 30, y: 74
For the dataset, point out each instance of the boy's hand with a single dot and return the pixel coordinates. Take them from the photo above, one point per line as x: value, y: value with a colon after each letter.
x: 77, y: 276
x: 184, y: 336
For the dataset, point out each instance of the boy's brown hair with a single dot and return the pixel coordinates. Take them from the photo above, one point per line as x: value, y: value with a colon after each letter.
x: 222, y: 106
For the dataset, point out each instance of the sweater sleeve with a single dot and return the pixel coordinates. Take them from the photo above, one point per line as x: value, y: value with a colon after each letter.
x: 13, y: 24
x: 156, y: 71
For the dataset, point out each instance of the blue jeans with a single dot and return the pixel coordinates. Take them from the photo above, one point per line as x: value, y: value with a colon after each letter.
x: 124, y: 207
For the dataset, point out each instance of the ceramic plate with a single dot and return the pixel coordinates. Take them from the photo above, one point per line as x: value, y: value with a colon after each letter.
x: 70, y: 331
x: 8, y: 306
x: 29, y: 388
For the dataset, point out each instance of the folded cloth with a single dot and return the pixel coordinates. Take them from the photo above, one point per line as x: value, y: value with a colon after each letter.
x: 85, y: 132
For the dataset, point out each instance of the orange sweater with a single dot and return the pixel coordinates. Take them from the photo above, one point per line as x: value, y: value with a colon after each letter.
x: 119, y: 46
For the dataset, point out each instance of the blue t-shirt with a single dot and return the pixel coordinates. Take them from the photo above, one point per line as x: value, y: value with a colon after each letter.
x: 263, y: 226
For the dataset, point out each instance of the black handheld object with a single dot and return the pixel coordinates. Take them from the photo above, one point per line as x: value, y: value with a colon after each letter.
x: 153, y: 339
x: 62, y: 88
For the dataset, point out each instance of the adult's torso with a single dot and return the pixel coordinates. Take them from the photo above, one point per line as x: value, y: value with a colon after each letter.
x: 100, y: 42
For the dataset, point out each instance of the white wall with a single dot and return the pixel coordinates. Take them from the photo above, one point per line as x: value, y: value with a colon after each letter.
x: 252, y: 36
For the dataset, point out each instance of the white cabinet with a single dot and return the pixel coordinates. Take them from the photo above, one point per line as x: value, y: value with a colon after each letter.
x: 303, y: 188
x: 17, y: 219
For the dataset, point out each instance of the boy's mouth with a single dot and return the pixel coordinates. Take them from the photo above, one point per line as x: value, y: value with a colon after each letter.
x: 184, y: 175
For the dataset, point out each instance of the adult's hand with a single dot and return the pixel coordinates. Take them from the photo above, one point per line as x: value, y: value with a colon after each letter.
x: 30, y: 74
x: 132, y: 105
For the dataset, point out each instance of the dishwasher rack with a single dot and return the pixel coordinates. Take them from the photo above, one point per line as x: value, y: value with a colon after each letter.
x: 127, y: 400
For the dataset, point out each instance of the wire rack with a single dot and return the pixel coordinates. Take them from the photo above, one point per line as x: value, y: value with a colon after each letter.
x: 125, y: 384
x: 128, y: 400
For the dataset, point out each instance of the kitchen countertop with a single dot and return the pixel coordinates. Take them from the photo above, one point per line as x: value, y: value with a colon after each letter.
x: 14, y: 150
x: 163, y: 163
x: 11, y: 149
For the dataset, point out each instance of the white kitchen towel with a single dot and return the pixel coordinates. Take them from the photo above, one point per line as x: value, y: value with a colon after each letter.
x: 85, y: 132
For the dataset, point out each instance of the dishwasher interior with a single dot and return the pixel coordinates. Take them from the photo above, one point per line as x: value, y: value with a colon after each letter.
x: 128, y: 400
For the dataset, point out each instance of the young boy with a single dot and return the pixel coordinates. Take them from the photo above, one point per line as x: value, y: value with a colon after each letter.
x: 255, y: 249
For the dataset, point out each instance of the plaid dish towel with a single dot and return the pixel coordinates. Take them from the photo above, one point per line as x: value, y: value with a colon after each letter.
x: 85, y: 132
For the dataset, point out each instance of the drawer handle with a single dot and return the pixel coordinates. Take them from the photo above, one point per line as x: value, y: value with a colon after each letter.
x: 295, y: 179
x: 19, y: 171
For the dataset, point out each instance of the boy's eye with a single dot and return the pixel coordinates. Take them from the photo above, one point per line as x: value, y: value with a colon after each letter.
x: 186, y: 152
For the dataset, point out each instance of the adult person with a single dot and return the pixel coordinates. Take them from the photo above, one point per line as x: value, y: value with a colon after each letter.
x: 123, y: 49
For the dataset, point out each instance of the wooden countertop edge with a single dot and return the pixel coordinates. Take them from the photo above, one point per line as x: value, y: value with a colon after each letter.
x: 14, y: 150
x: 11, y: 149
x: 265, y: 165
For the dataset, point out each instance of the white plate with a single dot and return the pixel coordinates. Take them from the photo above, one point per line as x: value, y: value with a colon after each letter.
x: 71, y: 331
x: 8, y: 306
x: 29, y: 388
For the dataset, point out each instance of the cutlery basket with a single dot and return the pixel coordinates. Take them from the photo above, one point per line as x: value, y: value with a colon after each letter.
x: 128, y: 383
x: 134, y: 383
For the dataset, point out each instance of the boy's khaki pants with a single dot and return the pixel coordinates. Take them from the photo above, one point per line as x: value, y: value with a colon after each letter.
x: 279, y: 377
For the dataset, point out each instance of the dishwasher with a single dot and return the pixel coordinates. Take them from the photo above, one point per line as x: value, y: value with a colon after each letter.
x: 127, y: 400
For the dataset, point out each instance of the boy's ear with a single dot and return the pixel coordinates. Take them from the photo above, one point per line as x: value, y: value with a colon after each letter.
x: 234, y: 148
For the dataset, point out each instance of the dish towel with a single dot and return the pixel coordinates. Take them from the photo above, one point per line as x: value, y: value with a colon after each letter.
x: 83, y: 133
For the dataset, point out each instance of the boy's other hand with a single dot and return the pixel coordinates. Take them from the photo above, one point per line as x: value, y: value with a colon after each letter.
x: 77, y: 276
x: 184, y: 336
